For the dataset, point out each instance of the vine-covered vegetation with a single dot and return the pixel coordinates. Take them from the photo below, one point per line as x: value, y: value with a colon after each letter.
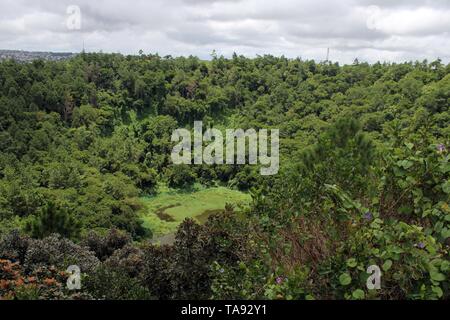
x: 364, y: 178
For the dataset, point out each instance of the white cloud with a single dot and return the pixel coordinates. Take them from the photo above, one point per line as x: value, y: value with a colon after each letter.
x: 396, y: 31
x: 419, y: 21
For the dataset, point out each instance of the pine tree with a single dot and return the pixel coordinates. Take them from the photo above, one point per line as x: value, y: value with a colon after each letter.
x: 52, y: 220
x: 342, y: 156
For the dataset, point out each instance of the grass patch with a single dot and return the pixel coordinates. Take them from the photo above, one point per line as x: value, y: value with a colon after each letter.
x: 166, y: 210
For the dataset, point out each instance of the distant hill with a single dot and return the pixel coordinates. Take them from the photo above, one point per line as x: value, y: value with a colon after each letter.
x: 27, y: 56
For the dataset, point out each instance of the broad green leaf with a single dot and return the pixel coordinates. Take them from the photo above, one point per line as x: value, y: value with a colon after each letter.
x: 352, y: 262
x: 358, y: 294
x: 406, y: 164
x: 446, y: 187
x: 345, y: 279
x: 387, y: 265
x: 437, y: 276
x: 445, y: 233
x: 445, y: 266
x: 445, y: 167
x: 438, y: 291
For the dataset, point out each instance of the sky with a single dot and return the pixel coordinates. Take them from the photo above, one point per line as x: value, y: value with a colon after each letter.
x: 369, y: 30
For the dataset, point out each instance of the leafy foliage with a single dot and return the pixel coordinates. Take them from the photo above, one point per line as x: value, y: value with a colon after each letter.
x: 364, y: 178
x: 53, y: 220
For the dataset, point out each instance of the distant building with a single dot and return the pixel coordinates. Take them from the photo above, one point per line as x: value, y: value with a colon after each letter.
x: 28, y: 56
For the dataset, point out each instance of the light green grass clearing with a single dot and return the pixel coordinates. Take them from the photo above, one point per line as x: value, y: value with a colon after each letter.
x: 187, y: 205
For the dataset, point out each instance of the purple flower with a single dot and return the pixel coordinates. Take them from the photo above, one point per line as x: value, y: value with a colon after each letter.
x: 368, y: 216
x: 441, y: 148
x: 222, y: 270
x: 279, y: 280
x: 421, y: 245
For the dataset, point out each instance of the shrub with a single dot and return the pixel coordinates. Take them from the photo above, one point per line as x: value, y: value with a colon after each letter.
x: 44, y: 283
x: 14, y: 246
x: 180, y: 176
x: 156, y: 274
x: 129, y: 259
x: 60, y: 252
x: 105, y: 246
x: 413, y: 264
x: 114, y: 284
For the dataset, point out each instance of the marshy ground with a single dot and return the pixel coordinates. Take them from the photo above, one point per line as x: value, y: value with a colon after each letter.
x: 164, y: 211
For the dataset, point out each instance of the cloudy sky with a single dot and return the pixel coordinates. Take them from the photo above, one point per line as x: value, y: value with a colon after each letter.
x: 370, y: 30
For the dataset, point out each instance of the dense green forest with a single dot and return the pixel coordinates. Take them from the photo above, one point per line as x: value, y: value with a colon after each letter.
x: 364, y: 178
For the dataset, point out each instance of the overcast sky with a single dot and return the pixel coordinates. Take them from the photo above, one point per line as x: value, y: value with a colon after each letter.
x: 370, y: 30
